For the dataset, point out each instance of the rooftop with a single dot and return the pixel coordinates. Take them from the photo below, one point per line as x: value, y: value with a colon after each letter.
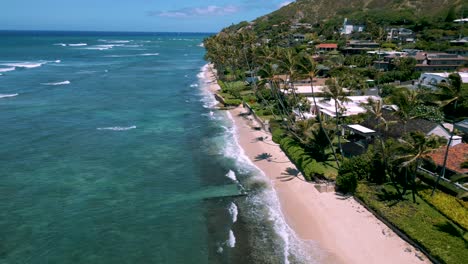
x: 457, y: 155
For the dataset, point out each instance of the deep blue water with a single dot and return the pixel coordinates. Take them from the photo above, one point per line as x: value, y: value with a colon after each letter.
x: 112, y: 152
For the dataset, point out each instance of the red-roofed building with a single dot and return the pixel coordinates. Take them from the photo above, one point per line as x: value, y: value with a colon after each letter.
x: 326, y: 47
x: 457, y: 155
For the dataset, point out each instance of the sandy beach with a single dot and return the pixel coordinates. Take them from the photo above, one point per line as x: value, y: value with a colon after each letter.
x: 345, y: 230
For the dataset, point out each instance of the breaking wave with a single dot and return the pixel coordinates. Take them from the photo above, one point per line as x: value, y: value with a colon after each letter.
x: 117, y: 128
x: 8, y: 95
x: 57, y: 83
x: 231, y: 242
x: 233, y: 211
x: 27, y: 65
x: 7, y: 69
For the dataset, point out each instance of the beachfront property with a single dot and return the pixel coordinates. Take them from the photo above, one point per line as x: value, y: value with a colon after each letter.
x: 456, y: 156
x: 326, y: 108
x: 434, y: 79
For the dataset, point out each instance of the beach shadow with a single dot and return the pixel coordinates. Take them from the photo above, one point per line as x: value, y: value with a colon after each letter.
x: 263, y: 156
x: 290, y: 174
x: 258, y: 139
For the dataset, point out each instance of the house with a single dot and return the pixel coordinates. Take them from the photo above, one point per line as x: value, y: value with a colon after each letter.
x: 462, y: 126
x: 433, y: 79
x: 298, y: 37
x: 456, y: 156
x: 359, y: 138
x: 327, y: 107
x: 348, y: 28
x: 438, y: 61
x: 401, y: 35
x: 325, y: 47
x: 360, y: 46
x: 399, y: 129
x: 301, y: 26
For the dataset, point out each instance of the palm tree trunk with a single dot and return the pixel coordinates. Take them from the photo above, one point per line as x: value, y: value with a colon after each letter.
x: 321, y: 123
x: 338, y: 130
x: 442, y: 175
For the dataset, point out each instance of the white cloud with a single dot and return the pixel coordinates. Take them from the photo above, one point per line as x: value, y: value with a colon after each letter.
x: 211, y: 10
x: 285, y: 3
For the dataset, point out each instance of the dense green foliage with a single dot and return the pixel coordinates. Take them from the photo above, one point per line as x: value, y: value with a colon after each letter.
x: 421, y: 222
x: 454, y: 208
x: 310, y: 168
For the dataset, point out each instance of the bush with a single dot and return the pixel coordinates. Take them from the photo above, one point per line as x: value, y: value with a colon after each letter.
x: 360, y: 166
x: 232, y: 102
x: 276, y: 132
x: 346, y: 183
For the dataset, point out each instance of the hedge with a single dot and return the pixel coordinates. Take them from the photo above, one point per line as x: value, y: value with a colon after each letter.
x: 310, y: 167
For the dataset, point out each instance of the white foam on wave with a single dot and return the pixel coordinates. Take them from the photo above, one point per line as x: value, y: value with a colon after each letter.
x: 194, y: 85
x: 233, y: 211
x: 7, y: 69
x: 57, y: 83
x: 114, y: 41
x: 201, y: 45
x: 231, y: 175
x: 8, y: 95
x: 77, y: 44
x: 58, y: 61
x: 27, y: 65
x: 117, y: 128
x: 149, y: 54
x: 231, y: 242
x: 60, y: 44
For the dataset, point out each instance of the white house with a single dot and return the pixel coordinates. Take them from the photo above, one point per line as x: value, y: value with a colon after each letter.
x: 433, y: 79
x: 353, y: 107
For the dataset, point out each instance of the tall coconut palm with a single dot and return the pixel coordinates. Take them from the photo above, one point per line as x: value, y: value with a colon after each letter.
x: 308, y: 66
x: 335, y: 91
x: 413, y: 148
x: 449, y: 94
x: 374, y: 110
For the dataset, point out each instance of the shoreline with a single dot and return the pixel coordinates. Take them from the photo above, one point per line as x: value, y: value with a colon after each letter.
x: 341, y: 227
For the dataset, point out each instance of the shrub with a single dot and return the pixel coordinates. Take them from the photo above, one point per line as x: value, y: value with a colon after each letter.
x: 232, y: 102
x: 360, y: 166
x: 346, y: 183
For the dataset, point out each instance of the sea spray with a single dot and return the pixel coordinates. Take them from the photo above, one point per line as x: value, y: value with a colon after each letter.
x: 233, y: 211
x: 231, y: 242
x: 231, y: 175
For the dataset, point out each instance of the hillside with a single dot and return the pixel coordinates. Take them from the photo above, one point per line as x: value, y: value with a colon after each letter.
x: 315, y: 11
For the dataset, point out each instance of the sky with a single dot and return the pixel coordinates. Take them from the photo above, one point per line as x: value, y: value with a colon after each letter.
x: 131, y: 15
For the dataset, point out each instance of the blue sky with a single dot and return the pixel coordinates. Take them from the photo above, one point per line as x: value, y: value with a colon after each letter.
x: 131, y: 15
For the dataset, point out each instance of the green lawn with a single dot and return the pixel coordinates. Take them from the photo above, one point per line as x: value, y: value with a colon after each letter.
x: 422, y: 223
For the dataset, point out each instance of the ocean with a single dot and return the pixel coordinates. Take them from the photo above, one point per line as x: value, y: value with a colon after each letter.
x: 113, y: 151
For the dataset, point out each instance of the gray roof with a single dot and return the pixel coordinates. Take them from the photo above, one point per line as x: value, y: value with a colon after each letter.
x: 462, y: 125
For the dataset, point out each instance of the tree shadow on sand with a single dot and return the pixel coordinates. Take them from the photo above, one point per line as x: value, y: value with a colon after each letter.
x: 263, y: 156
x: 290, y: 174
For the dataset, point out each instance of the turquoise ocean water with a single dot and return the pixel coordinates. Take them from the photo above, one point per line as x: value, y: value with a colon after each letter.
x: 112, y: 151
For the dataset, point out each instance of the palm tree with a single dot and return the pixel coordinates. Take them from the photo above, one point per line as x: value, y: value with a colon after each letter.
x: 449, y: 93
x: 308, y: 66
x: 413, y: 148
x: 336, y: 92
x: 374, y: 109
